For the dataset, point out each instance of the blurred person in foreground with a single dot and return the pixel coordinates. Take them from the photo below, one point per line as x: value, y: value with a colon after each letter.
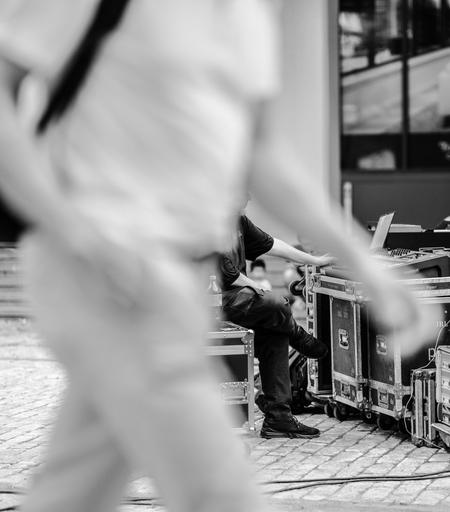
x: 142, y: 176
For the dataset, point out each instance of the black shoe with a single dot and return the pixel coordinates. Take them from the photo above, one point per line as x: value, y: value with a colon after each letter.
x: 307, y: 345
x: 289, y: 427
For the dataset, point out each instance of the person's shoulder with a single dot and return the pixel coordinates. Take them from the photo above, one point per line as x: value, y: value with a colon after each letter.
x: 41, y: 35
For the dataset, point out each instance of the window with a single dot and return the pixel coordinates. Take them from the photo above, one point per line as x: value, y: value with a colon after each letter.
x: 395, y: 84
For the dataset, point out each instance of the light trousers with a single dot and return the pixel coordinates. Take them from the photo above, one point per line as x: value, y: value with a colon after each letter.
x: 140, y: 394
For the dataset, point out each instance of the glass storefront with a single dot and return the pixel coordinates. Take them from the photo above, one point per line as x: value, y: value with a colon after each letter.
x: 395, y: 84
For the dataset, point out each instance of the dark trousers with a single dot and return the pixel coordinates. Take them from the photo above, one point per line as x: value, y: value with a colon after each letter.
x: 271, y: 319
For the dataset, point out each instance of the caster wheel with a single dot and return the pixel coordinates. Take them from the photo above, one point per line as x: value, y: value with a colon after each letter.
x: 296, y: 287
x: 368, y: 417
x: 340, y: 412
x: 384, y: 422
x: 328, y: 409
x: 404, y: 425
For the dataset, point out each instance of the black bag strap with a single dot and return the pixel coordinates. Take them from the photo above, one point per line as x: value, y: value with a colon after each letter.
x: 105, y: 20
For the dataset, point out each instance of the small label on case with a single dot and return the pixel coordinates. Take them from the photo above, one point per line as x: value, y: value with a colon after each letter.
x: 345, y: 390
x: 343, y: 339
x: 383, y: 398
x: 381, y: 345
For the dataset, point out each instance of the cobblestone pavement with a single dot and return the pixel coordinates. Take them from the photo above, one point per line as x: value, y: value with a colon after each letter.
x: 31, y: 384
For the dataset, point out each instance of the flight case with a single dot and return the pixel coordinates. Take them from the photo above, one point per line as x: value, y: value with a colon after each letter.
x: 390, y: 370
x: 348, y: 320
x: 235, y: 347
x: 369, y: 371
x: 442, y: 424
x: 348, y: 334
x: 423, y: 386
x: 319, y: 384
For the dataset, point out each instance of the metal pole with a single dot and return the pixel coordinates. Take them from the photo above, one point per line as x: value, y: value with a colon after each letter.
x: 348, y: 206
x: 405, y: 85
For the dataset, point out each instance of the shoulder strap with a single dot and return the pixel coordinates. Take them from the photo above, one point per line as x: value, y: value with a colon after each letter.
x: 106, y: 19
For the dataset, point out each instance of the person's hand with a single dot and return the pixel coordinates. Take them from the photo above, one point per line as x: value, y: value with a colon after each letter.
x: 258, y: 290
x: 325, y: 260
x: 256, y: 287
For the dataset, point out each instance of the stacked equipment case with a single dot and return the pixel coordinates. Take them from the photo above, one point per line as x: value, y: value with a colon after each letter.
x: 423, y: 387
x: 318, y: 324
x: 389, y: 378
x: 369, y: 373
x: 234, y: 347
x: 349, y: 324
x: 442, y: 424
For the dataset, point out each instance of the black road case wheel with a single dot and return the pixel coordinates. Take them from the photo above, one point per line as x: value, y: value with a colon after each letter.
x: 328, y: 410
x: 368, y: 417
x: 341, y: 412
x: 385, y: 422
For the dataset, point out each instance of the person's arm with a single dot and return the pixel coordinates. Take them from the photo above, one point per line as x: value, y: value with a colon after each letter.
x: 243, y: 280
x: 22, y: 167
x: 281, y: 249
x: 280, y: 182
x: 231, y: 275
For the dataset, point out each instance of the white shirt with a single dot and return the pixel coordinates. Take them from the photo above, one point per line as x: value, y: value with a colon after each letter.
x: 156, y: 145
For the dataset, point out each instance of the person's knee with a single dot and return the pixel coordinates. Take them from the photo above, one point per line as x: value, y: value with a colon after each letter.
x: 280, y: 311
x: 273, y: 304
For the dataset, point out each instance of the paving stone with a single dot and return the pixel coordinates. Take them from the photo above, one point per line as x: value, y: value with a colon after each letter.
x: 346, y: 456
x: 266, y: 459
x: 407, y: 466
x: 446, y: 500
x: 409, y: 488
x: 281, y: 451
x: 362, y: 463
x: 442, y: 483
x: 329, y: 450
x: 431, y: 497
x: 418, y: 453
x: 317, y: 460
x: 299, y: 471
x: 378, y: 492
x: 351, y: 492
x: 320, y: 473
x: 399, y: 500
x: 433, y: 467
x: 320, y: 493
x: 311, y: 447
x: 379, y: 469
x: 440, y: 457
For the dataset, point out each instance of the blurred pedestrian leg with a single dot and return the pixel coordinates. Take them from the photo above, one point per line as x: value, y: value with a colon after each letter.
x: 140, y: 392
